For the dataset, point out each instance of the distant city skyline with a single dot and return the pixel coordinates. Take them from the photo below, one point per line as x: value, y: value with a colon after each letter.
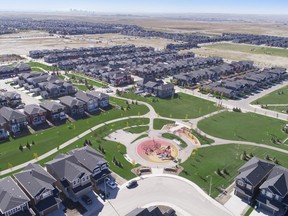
x: 151, y: 6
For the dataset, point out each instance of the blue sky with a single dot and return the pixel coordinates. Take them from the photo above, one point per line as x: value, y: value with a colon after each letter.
x: 152, y: 6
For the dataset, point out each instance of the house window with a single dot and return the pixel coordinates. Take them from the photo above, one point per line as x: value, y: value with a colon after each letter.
x: 249, y: 187
x: 277, y: 197
x: 269, y: 194
x: 240, y: 183
x: 74, y: 182
x: 87, y: 177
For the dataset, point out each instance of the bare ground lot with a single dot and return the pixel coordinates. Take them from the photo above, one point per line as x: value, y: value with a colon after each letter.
x: 21, y: 43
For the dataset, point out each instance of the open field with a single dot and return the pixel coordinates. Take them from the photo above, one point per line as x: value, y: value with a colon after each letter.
x: 23, y: 44
x: 159, y: 123
x: 276, y: 97
x: 183, y: 106
x: 205, y: 161
x: 244, y: 127
x: 250, y: 49
x: 137, y: 130
x: 51, y: 138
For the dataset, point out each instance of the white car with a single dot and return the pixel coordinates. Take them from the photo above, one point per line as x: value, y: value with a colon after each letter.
x: 110, y: 183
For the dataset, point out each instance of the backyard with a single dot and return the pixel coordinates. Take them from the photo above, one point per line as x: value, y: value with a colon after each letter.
x: 48, y: 139
x: 182, y: 106
x: 245, y: 127
x: 205, y: 162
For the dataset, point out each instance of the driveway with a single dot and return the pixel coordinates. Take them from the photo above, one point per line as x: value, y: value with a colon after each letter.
x: 183, y: 196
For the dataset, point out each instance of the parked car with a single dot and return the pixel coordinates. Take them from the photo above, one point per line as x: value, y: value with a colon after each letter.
x: 111, y: 183
x: 21, y: 106
x: 132, y: 184
x: 109, y: 91
x: 86, y: 199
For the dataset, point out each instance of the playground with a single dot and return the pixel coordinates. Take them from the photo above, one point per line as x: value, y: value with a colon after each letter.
x: 157, y: 150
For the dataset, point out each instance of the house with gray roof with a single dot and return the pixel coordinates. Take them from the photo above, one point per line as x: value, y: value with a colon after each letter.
x: 250, y: 178
x: 73, y: 106
x: 55, y: 111
x: 273, y: 196
x: 16, y: 121
x: 13, y: 98
x: 35, y: 114
x: 6, y: 71
x: 92, y: 161
x: 13, y: 201
x: 39, y: 186
x: 103, y: 98
x: 72, y: 178
x: 91, y: 102
x: 164, y: 91
x: 3, y: 100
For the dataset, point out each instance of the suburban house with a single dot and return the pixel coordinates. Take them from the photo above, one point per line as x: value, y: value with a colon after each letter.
x: 91, y: 103
x: 22, y: 68
x: 156, y: 87
x: 38, y: 184
x: 16, y: 121
x: 3, y: 128
x: 164, y: 91
x: 3, y: 100
x: 73, y: 106
x: 92, y: 161
x: 151, y: 211
x: 72, y: 178
x: 55, y: 111
x: 273, y: 196
x: 36, y: 115
x: 250, y: 178
x: 103, y: 98
x: 13, y: 99
x: 13, y: 200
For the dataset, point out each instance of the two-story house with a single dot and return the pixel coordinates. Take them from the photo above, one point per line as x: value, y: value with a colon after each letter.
x: 164, y: 91
x: 3, y: 100
x: 38, y: 184
x: 13, y: 200
x: 103, y: 98
x: 91, y: 103
x: 3, y: 128
x: 92, y: 161
x: 73, y: 106
x: 273, y: 195
x: 16, y: 121
x: 251, y: 176
x: 13, y: 99
x: 73, y: 179
x: 55, y: 111
x: 36, y: 115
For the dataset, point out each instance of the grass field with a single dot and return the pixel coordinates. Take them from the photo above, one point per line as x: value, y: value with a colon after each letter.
x: 244, y: 126
x: 45, y: 67
x: 183, y: 106
x: 159, y: 123
x: 275, y: 97
x: 202, y: 139
x: 51, y: 138
x: 90, y: 82
x: 172, y: 136
x: 140, y: 137
x: 137, y: 130
x: 81, y: 87
x: 250, y: 49
x: 205, y: 161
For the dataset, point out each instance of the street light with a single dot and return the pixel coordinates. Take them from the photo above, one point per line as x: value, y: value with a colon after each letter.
x: 210, y: 186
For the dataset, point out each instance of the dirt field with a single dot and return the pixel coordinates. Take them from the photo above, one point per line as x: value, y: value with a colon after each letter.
x: 22, y: 43
x: 259, y: 59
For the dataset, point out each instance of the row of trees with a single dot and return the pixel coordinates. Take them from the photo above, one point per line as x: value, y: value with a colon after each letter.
x: 28, y: 146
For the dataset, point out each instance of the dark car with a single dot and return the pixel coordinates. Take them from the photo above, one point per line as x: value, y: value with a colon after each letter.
x: 132, y: 184
x: 86, y: 199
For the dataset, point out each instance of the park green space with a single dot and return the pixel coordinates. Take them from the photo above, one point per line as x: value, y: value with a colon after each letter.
x: 36, y: 65
x: 81, y: 87
x: 170, y: 136
x: 159, y: 123
x: 204, y: 162
x: 244, y: 127
x: 181, y: 106
x: 201, y: 138
x: 276, y: 97
x: 89, y: 81
x: 253, y: 49
x: 46, y: 140
x: 137, y: 129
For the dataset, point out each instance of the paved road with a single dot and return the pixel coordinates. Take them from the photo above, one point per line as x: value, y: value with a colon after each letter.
x: 184, y: 196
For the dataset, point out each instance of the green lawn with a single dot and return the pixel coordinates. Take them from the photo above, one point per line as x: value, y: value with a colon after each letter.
x: 172, y: 136
x: 159, y: 123
x: 253, y: 49
x: 140, y: 137
x: 111, y: 148
x: 282, y: 109
x: 137, y: 130
x: 81, y: 87
x: 183, y: 106
x: 207, y: 160
x: 244, y: 126
x: 40, y: 65
x: 202, y: 139
x: 90, y: 82
x: 53, y: 137
x: 275, y: 97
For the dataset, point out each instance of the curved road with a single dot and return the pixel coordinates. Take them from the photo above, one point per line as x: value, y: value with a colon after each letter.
x: 184, y: 196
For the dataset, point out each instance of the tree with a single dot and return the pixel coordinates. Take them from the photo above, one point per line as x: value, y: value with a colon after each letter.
x: 28, y: 146
x: 35, y: 156
x: 33, y: 143
x: 10, y: 166
x: 21, y: 148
